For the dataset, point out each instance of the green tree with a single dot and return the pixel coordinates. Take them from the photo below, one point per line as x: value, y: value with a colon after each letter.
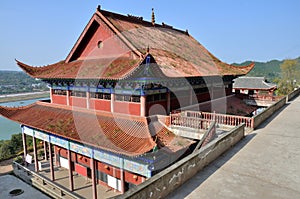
x: 16, y: 142
x: 290, y: 72
x: 5, y: 150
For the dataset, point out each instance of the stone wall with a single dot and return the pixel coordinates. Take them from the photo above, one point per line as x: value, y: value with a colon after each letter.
x: 293, y: 94
x: 261, y: 117
x: 174, y: 176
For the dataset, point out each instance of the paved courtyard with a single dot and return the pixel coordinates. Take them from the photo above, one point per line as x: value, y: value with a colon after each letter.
x: 9, y: 183
x: 265, y: 164
x: 82, y: 185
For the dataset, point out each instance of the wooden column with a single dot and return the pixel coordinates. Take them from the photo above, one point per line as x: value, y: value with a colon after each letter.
x: 168, y: 102
x: 122, y: 177
x: 143, y: 105
x: 36, y: 166
x: 71, y: 181
x: 88, y: 100
x: 24, y: 146
x: 112, y: 102
x: 94, y: 183
x: 68, y: 98
x: 143, y: 179
x: 45, y: 150
x: 51, y: 162
x: 115, y: 176
x: 51, y: 95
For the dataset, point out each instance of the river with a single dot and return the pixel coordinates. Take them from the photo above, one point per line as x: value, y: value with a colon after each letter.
x: 8, y: 127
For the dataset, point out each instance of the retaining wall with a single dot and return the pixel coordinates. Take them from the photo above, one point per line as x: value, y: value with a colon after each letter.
x: 174, y: 176
x: 292, y: 94
x: 261, y: 117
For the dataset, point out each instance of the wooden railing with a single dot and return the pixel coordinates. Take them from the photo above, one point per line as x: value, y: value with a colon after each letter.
x: 195, y: 116
x: 191, y: 122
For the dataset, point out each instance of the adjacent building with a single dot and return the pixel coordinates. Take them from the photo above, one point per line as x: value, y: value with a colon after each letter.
x: 254, y: 87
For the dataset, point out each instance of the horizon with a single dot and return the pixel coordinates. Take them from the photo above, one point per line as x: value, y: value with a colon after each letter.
x: 267, y: 29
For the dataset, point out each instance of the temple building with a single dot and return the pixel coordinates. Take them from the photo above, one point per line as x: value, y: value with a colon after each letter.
x: 256, y: 87
x: 107, y: 117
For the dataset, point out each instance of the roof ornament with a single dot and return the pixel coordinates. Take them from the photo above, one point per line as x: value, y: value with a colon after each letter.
x: 148, y: 49
x: 187, y: 32
x: 99, y: 8
x: 153, y: 17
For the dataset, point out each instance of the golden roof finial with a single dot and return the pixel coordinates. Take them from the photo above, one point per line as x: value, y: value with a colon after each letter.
x: 153, y: 18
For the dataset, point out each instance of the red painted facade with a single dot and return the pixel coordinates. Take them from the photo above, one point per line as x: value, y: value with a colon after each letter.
x: 82, y: 164
x: 82, y: 170
x: 110, y: 45
x: 127, y: 108
x: 98, y: 104
x: 59, y: 99
x: 78, y: 101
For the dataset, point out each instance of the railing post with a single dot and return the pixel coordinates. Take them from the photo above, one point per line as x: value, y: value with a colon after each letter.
x: 252, y: 122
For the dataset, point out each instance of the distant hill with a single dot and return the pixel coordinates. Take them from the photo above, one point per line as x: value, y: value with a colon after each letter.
x: 19, y: 82
x: 270, y: 69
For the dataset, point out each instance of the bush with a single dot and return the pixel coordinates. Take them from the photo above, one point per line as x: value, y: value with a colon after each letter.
x: 9, y: 148
x: 19, y: 159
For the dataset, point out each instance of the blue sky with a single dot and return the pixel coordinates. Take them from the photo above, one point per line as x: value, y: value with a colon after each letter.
x: 40, y: 32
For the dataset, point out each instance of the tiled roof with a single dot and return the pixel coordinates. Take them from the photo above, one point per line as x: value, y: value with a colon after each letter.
x: 113, y: 132
x: 231, y: 105
x: 176, y: 52
x: 83, y: 69
x: 252, y: 83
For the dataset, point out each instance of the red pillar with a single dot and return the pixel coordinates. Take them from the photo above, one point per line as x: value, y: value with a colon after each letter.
x: 143, y: 106
x: 112, y: 102
x: 68, y: 98
x: 24, y: 147
x: 51, y: 95
x: 94, y: 185
x: 88, y: 100
x: 122, y: 180
x: 36, y: 166
x: 71, y: 181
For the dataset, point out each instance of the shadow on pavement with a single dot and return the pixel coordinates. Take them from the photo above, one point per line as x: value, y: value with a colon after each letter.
x: 209, y: 170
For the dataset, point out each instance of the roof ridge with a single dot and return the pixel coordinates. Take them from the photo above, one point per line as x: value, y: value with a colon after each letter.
x: 140, y: 20
x: 118, y: 32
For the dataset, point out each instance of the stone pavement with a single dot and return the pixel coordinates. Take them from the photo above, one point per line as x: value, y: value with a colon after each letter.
x: 9, y: 183
x: 82, y: 185
x: 265, y: 164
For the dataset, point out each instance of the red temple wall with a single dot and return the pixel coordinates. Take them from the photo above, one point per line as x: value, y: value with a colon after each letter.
x: 127, y: 108
x: 112, y: 45
x: 81, y: 169
x: 82, y: 163
x: 59, y: 99
x: 77, y: 101
x: 98, y: 104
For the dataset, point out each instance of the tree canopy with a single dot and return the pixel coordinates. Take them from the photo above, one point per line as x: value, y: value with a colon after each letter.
x: 290, y: 76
